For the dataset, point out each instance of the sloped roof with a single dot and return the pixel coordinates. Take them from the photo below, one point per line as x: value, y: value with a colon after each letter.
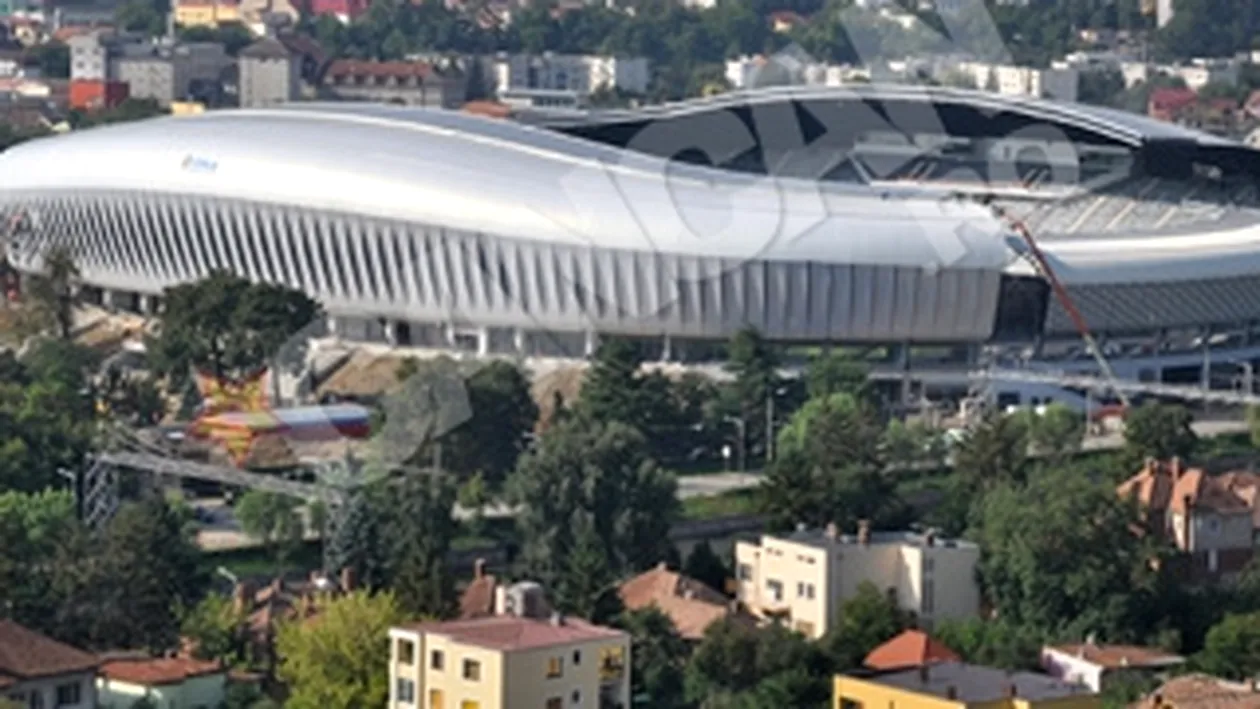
x: 1169, y: 486
x: 26, y: 654
x: 912, y: 648
x: 1200, y: 691
x: 1114, y: 657
x: 158, y: 671
x: 690, y: 604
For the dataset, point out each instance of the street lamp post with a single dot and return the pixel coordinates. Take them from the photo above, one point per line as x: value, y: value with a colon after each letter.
x: 739, y: 423
x: 770, y: 396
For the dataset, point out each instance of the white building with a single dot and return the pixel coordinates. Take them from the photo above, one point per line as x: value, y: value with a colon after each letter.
x: 1059, y: 83
x: 804, y: 579
x: 169, y: 682
x: 37, y: 671
x: 1096, y: 666
x: 581, y: 74
x: 1164, y: 12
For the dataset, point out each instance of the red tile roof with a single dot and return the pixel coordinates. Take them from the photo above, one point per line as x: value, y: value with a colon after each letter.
x: 152, y: 672
x: 508, y: 632
x: 1171, y: 99
x: 26, y: 654
x: 691, y: 605
x: 913, y: 648
x: 1200, y: 691
x: 490, y: 109
x: 353, y: 67
x: 1114, y: 657
x: 1169, y: 486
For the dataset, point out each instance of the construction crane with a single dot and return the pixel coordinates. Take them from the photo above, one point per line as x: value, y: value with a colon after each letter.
x: 1041, y: 264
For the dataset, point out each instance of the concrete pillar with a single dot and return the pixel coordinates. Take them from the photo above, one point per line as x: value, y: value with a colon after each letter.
x: 112, y: 299
x: 390, y: 329
x: 1205, y: 372
x: 448, y: 335
x: 667, y: 348
x: 518, y: 341
x: 483, y: 341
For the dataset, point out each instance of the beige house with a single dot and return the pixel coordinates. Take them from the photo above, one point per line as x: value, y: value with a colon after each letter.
x: 804, y: 579
x: 41, y: 673
x: 518, y: 658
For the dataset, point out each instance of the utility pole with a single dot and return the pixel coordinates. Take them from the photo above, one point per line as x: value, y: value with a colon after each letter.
x: 769, y: 425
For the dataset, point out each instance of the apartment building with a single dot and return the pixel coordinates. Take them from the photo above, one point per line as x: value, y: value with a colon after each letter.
x: 522, y: 657
x: 1056, y: 83
x: 407, y: 83
x: 161, y: 70
x: 804, y: 579
x: 956, y: 685
x: 580, y: 74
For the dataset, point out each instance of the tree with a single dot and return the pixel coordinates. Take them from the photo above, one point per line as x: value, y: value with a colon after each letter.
x: 658, y: 658
x: 1056, y: 432
x: 503, y: 413
x: 422, y: 525
x: 915, y: 443
x: 993, y: 451
x: 217, y: 628
x: 829, y: 468
x: 272, y: 519
x: 360, y: 543
x: 707, y: 567
x: 993, y: 642
x: 339, y: 659
x: 867, y: 620
x: 1159, y: 431
x: 226, y: 326
x: 838, y: 373
x: 737, y: 663
x: 33, y: 529
x: 755, y: 367
x: 1232, y: 647
x: 586, y: 586
x: 582, y: 466
x: 1060, y: 555
x: 52, y: 292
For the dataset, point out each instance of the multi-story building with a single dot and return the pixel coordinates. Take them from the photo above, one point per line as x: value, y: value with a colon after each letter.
x: 37, y: 671
x: 408, y: 83
x: 1211, y: 518
x: 206, y: 13
x: 166, y: 71
x: 270, y: 73
x: 956, y: 685
x: 1057, y: 83
x: 803, y: 579
x: 580, y: 74
x: 520, y: 658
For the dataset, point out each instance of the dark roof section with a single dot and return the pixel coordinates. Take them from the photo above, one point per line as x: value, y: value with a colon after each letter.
x: 1129, y: 128
x: 974, y: 683
x: 25, y: 654
x: 267, y: 48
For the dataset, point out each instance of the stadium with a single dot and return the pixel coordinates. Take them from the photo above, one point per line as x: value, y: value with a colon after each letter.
x: 863, y: 215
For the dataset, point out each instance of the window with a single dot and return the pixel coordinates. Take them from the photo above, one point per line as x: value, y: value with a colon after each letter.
x: 437, y: 660
x: 470, y: 704
x: 68, y: 694
x: 37, y: 700
x: 406, y: 652
x: 577, y: 696
x: 805, y: 590
x: 612, y: 662
x: 472, y: 670
x: 405, y: 690
x: 555, y: 666
x: 435, y: 699
x: 775, y: 588
x: 744, y: 572
x: 555, y: 703
x: 577, y: 657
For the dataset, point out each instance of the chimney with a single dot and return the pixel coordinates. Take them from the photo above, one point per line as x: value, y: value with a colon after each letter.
x: 347, y: 580
x: 689, y: 594
x: 500, y: 600
x: 1012, y: 690
x: 864, y: 531
x: 951, y: 692
x: 1148, y: 466
x: 479, y: 568
x: 923, y: 673
x: 557, y: 619
x: 831, y: 531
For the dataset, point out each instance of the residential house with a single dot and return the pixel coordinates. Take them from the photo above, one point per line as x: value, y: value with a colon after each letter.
x: 270, y: 73
x: 41, y: 673
x: 1169, y: 104
x: 519, y: 658
x: 407, y: 83
x: 1097, y: 666
x: 804, y: 578
x: 206, y: 13
x: 912, y: 648
x: 580, y: 74
x: 1200, y: 691
x: 690, y: 604
x: 956, y: 685
x: 166, y: 72
x: 1212, y: 519
x: 168, y: 682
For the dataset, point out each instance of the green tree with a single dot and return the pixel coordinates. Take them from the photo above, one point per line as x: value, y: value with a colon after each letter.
x: 737, y: 663
x: 707, y: 567
x: 658, y: 658
x: 217, y: 627
x: 993, y: 451
x: 1060, y: 555
x: 1056, y: 432
x: 1159, y: 431
x: 53, y: 59
x: 227, y: 326
x: 601, y: 470
x: 503, y: 413
x: 52, y: 292
x: 838, y: 373
x: 1232, y: 647
x: 829, y: 468
x: 755, y: 367
x: 993, y: 642
x: 272, y: 519
x: 914, y: 443
x: 422, y: 525
x: 339, y: 661
x: 360, y: 543
x: 867, y: 620
x: 586, y: 586
x: 33, y: 529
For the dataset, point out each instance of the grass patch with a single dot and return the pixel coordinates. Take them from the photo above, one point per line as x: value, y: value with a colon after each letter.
x: 736, y: 503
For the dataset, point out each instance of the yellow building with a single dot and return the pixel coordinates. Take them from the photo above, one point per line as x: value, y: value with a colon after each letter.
x: 206, y: 13
x: 957, y: 685
x: 803, y: 579
x: 509, y: 661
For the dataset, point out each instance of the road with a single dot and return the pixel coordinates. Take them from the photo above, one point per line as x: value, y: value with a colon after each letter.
x: 221, y: 531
